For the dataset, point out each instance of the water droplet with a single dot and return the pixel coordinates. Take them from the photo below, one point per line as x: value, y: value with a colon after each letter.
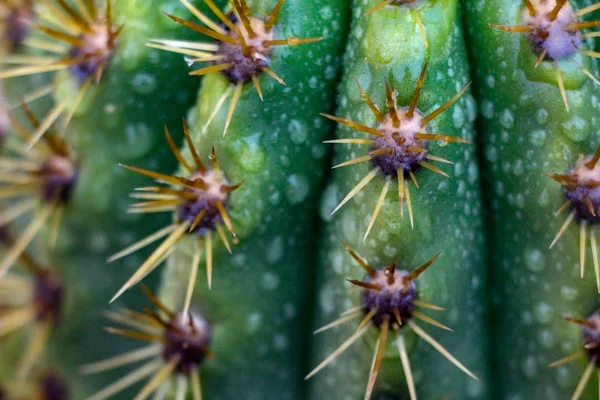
x: 289, y: 310
x: 518, y: 168
x: 507, y: 120
x: 319, y: 151
x: 362, y: 72
x: 538, y: 137
x: 249, y: 153
x: 137, y: 141
x: 270, y: 281
x: 298, y: 131
x: 337, y: 261
x: 487, y: 109
x: 297, y: 188
x: 280, y: 342
x: 458, y: 117
x: 541, y: 116
x: 326, y: 300
x: 274, y: 198
x: 529, y: 367
x: 472, y: 172
x: 520, y: 200
x: 568, y: 293
x: 110, y: 108
x: 546, y: 338
x: 492, y: 154
x: 474, y: 389
x: 576, y: 129
x: 99, y: 242
x: 144, y: 83
x: 471, y: 108
x: 253, y: 322
x: 328, y: 203
x: 565, y: 377
x: 189, y: 61
x: 544, y: 313
x: 275, y: 250
x: 544, y: 198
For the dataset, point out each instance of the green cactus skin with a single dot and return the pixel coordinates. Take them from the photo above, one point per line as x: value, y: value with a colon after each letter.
x: 120, y: 120
x: 259, y: 297
x: 448, y: 215
x: 528, y: 132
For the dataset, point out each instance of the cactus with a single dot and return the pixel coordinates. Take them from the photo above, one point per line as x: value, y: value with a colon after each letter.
x: 420, y: 110
x: 165, y: 178
x: 530, y: 128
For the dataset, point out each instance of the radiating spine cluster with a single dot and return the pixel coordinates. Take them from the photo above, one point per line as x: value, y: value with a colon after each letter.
x: 80, y: 40
x: 199, y: 201
x: 38, y: 179
x: 30, y: 302
x: 581, y: 189
x: 591, y: 345
x: 554, y: 30
x: 388, y: 301
x: 178, y: 346
x: 399, y: 145
x: 242, y: 51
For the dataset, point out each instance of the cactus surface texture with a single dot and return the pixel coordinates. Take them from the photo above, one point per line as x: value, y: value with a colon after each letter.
x: 299, y: 199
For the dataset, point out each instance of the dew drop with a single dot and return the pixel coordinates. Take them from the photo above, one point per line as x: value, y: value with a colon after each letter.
x: 538, y: 137
x: 474, y: 389
x: 270, y: 281
x: 275, y: 250
x: 137, y: 141
x: 487, y: 109
x: 297, y: 188
x: 298, y: 131
x: 318, y: 151
x: 249, y: 153
x: 328, y: 203
x: 541, y: 116
x: 507, y: 120
x: 144, y: 83
x: 576, y: 129
x: 471, y: 109
x: 544, y: 198
x: 280, y: 342
x: 492, y: 154
x: 529, y: 367
x: 568, y: 293
x: 565, y: 378
x: 544, y: 313
x: 546, y: 338
x: 253, y: 322
x: 458, y: 117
